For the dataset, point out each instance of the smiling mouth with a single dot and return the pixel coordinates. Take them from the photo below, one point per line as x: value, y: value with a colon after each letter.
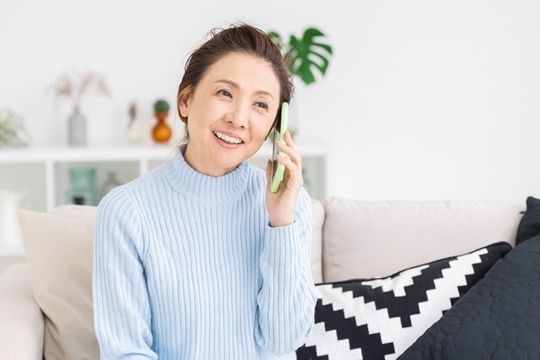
x: 228, y: 139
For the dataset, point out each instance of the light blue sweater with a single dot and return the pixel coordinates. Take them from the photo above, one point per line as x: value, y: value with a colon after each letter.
x: 187, y: 267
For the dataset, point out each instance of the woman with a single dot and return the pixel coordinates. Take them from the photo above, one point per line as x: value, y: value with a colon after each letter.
x: 198, y: 259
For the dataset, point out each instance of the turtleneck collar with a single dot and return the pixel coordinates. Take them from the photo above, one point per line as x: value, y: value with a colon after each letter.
x: 212, y: 189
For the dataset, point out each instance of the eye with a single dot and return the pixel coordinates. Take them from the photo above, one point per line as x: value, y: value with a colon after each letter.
x: 225, y: 93
x: 261, y: 104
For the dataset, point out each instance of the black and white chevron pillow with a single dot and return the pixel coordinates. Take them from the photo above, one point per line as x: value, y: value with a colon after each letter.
x: 378, y: 319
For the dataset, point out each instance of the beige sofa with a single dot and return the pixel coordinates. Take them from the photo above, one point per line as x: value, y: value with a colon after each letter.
x: 351, y: 239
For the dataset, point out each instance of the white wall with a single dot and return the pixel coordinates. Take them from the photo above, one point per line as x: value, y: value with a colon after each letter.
x: 424, y: 100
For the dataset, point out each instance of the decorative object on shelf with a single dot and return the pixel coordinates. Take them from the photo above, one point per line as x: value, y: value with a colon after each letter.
x: 134, y: 127
x: 76, y: 128
x: 161, y: 132
x: 12, y: 131
x: 73, y: 87
x: 82, y: 186
x: 10, y: 233
x: 305, y: 57
x: 110, y: 183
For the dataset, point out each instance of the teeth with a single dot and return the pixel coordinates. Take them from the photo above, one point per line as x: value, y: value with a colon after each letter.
x: 227, y: 138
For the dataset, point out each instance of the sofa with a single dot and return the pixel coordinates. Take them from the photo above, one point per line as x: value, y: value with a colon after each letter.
x: 386, y: 273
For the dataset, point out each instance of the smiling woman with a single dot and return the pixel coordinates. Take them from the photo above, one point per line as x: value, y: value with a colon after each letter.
x: 229, y: 114
x: 198, y: 259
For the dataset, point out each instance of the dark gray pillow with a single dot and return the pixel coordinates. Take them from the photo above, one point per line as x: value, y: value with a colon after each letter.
x: 529, y: 225
x: 499, y: 318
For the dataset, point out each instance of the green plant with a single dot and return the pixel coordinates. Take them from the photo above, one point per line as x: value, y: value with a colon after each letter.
x: 12, y: 131
x: 161, y: 106
x: 305, y: 54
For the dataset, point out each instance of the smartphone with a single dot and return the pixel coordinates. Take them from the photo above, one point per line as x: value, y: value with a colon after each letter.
x: 279, y: 135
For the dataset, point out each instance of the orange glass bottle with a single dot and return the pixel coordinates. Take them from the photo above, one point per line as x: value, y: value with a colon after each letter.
x: 161, y: 132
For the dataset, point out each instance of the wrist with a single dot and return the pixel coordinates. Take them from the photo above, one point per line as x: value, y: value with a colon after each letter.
x: 281, y: 222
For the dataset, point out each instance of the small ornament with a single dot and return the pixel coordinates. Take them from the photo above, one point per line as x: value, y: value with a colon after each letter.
x: 110, y: 183
x: 134, y: 128
x: 76, y: 128
x: 73, y: 87
x: 161, y: 132
x: 82, y: 187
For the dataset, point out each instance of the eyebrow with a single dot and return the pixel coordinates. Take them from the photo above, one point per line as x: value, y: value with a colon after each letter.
x: 233, y: 84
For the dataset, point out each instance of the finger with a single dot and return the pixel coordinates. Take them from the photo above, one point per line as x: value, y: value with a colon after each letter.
x: 293, y: 173
x: 289, y: 140
x: 291, y: 153
x: 268, y: 171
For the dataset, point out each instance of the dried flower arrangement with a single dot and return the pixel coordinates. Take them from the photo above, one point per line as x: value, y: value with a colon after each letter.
x: 73, y: 86
x: 12, y: 131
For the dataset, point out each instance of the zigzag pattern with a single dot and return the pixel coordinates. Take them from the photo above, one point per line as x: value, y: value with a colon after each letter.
x: 377, y: 319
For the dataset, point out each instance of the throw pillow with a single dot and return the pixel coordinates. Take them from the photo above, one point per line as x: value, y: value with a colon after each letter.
x: 59, y: 251
x: 379, y: 318
x: 497, y: 319
x: 529, y: 224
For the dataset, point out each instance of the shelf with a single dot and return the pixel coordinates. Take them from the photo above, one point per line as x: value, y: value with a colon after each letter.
x: 78, y: 154
x: 42, y: 154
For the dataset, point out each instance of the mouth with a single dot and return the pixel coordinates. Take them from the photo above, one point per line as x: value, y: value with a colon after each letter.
x: 228, y: 139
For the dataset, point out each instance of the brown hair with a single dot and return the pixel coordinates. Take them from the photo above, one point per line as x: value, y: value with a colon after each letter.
x: 241, y: 38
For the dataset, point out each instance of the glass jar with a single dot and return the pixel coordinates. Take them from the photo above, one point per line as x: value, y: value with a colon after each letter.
x: 82, y: 187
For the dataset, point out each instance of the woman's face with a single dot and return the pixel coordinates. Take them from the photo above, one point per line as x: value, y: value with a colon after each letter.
x: 230, y: 113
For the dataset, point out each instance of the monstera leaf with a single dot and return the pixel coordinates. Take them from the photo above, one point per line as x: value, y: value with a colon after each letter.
x: 305, y: 55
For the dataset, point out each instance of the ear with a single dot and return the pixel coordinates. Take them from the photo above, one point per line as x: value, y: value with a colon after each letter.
x: 183, y: 104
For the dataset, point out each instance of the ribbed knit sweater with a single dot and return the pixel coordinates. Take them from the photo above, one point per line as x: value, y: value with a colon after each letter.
x: 186, y: 266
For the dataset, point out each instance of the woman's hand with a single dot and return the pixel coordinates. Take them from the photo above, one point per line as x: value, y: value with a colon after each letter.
x: 282, y: 204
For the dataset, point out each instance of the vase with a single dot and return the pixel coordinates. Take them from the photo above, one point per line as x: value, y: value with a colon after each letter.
x: 162, y: 131
x: 110, y: 183
x: 77, y: 128
x: 82, y: 187
x: 133, y: 133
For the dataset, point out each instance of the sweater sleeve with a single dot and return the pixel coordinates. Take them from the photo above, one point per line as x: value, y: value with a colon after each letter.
x: 286, y: 300
x: 121, y: 306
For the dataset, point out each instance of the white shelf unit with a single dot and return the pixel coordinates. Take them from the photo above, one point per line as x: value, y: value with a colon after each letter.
x: 43, y: 171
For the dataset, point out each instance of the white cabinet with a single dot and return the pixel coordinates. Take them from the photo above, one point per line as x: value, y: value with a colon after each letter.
x: 42, y: 172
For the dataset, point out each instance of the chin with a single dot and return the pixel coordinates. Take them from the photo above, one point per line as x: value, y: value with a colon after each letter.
x: 228, y: 164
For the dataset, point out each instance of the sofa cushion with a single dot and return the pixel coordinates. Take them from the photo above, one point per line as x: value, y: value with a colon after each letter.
x: 529, y: 225
x: 59, y: 251
x: 363, y: 239
x: 316, y: 245
x: 379, y: 318
x: 497, y: 319
x: 22, y: 321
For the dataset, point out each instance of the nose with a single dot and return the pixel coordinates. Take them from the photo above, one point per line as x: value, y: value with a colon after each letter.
x: 238, y: 116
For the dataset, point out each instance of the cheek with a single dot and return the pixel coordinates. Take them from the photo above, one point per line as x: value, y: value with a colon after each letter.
x: 261, y: 130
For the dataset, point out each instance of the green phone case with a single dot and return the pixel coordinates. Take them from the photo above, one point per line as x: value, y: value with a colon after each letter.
x: 277, y: 177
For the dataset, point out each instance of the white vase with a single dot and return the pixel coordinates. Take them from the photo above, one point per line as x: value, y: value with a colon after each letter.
x: 134, y: 133
x: 110, y: 183
x: 76, y: 128
x: 10, y: 232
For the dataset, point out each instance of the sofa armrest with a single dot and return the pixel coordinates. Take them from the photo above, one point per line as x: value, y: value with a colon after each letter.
x: 22, y: 323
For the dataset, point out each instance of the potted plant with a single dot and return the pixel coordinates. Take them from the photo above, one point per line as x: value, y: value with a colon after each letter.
x: 73, y: 87
x: 12, y: 131
x: 305, y: 55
